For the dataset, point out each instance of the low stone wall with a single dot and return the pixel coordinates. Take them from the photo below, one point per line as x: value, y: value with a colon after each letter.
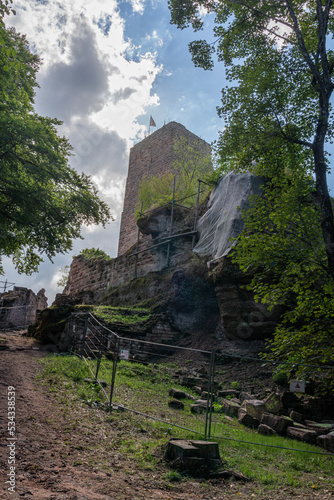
x: 98, y: 275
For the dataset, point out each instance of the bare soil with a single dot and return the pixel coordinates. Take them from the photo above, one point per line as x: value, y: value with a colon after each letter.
x: 58, y: 456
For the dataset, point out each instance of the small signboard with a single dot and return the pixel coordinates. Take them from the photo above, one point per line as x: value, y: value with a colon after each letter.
x: 297, y: 385
x: 125, y: 354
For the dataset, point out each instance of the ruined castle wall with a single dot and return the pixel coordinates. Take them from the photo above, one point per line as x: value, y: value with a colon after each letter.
x: 19, y: 307
x: 97, y: 275
x: 151, y: 157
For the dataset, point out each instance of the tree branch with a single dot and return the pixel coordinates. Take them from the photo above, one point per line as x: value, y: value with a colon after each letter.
x: 301, y: 43
x: 257, y: 11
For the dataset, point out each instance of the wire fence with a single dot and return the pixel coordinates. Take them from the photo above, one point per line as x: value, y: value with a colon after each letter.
x: 172, y: 235
x: 16, y: 317
x: 156, y: 380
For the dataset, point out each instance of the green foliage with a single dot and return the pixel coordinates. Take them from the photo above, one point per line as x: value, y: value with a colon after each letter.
x: 95, y: 253
x: 190, y: 164
x: 43, y: 201
x: 121, y: 315
x: 154, y: 192
x: 279, y: 70
x: 283, y: 250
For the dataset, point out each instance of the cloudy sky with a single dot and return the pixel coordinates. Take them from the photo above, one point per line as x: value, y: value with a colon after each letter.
x: 107, y: 66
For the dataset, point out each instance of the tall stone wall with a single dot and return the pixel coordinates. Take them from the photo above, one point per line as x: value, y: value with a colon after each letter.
x: 151, y: 157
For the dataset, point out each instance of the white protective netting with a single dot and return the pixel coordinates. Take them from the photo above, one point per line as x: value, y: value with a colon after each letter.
x: 223, y: 219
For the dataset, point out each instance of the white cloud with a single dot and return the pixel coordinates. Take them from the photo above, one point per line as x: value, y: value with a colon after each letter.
x: 99, y: 84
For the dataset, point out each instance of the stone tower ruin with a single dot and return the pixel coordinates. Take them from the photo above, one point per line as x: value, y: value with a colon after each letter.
x: 151, y: 157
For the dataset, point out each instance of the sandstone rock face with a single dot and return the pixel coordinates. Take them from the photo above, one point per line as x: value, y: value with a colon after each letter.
x: 241, y: 316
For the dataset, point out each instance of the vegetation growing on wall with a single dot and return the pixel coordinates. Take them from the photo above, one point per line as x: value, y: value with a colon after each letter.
x: 189, y: 165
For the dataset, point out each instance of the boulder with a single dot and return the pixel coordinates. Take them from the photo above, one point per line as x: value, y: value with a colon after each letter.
x: 178, y: 394
x: 326, y: 441
x: 230, y: 408
x: 273, y: 403
x: 300, y: 434
x: 228, y: 392
x: 296, y: 416
x: 277, y: 423
x: 255, y: 408
x: 245, y: 419
x: 191, y: 381
x: 244, y: 396
x: 176, y: 404
x: 265, y: 430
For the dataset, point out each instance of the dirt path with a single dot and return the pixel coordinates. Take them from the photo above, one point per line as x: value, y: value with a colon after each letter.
x: 54, y: 448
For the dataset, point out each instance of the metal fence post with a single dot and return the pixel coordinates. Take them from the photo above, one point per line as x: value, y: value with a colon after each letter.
x: 113, y: 376
x: 209, y: 398
x: 99, y: 358
x: 212, y: 384
x: 70, y: 327
x: 137, y: 246
x: 196, y: 210
x: 84, y: 336
x: 171, y: 222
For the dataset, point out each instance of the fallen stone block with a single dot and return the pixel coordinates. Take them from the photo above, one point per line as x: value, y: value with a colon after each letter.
x: 305, y: 435
x: 179, y: 394
x: 230, y: 408
x: 326, y: 441
x: 273, y: 403
x: 245, y: 419
x: 176, y: 404
x: 244, y: 396
x: 265, y: 430
x: 278, y: 423
x: 255, y: 408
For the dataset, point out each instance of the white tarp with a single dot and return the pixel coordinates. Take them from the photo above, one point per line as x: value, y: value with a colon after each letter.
x: 223, y: 219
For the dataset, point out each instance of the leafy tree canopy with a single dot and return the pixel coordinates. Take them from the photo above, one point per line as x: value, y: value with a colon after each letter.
x: 95, y: 253
x: 280, y: 73
x: 282, y: 249
x: 190, y: 164
x: 43, y: 201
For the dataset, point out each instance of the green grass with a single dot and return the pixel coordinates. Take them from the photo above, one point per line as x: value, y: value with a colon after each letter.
x: 145, y: 388
x: 128, y: 316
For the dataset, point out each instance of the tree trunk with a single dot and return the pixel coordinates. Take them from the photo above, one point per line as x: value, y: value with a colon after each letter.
x: 327, y: 223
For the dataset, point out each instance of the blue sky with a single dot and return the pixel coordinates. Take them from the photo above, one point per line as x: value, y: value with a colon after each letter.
x: 107, y: 66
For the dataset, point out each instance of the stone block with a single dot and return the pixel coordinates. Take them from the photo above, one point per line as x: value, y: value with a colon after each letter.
x: 230, y: 408
x: 300, y: 434
x: 326, y: 441
x: 245, y: 419
x: 273, y: 403
x: 265, y: 430
x: 244, y: 396
x: 178, y: 394
x: 296, y: 416
x: 255, y: 408
x: 176, y: 404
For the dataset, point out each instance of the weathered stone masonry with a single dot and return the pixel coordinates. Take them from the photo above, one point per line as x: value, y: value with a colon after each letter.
x: 151, y: 157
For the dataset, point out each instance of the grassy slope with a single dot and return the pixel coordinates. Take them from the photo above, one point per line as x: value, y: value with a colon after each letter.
x: 145, y: 389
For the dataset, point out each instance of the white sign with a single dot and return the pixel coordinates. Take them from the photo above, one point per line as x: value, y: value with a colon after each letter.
x: 297, y: 385
x: 125, y: 354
